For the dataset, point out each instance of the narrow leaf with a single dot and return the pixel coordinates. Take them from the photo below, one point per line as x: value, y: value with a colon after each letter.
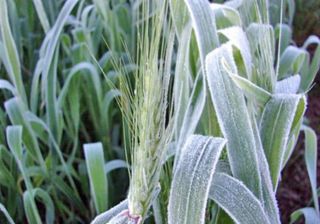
x: 10, y: 53
x: 237, y: 200
x: 105, y: 217
x: 192, y: 178
x: 6, y: 214
x: 309, y: 214
x: 276, y: 122
x: 288, y: 85
x: 233, y: 118
x: 98, y: 181
x: 311, y: 156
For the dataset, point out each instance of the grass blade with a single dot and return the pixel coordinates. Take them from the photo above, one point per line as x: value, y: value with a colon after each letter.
x: 237, y: 200
x: 42, y: 15
x: 276, y: 122
x: 6, y: 214
x: 288, y: 85
x: 14, y: 138
x: 98, y: 180
x: 233, y: 118
x: 192, y: 178
x: 310, y: 156
x: 111, y: 213
x: 10, y: 54
x: 309, y: 214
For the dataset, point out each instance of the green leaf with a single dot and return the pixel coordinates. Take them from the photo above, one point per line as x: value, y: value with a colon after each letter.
x: 309, y: 72
x: 48, y: 203
x: 115, y: 164
x: 180, y: 16
x: 310, y: 157
x: 262, y: 45
x: 9, y: 55
x: 268, y: 201
x: 237, y: 200
x: 42, y: 15
x: 288, y: 85
x: 191, y: 181
x: 233, y: 118
x: 250, y: 89
x: 49, y: 66
x: 204, y: 26
x: 14, y: 138
x: 105, y: 217
x: 295, y: 129
x: 98, y: 181
x: 239, y: 39
x: 291, y: 61
x: 15, y: 109
x: 7, y: 215
x: 309, y: 214
x: 225, y: 16
x: 4, y: 84
x: 30, y: 208
x: 286, y: 36
x: 276, y: 122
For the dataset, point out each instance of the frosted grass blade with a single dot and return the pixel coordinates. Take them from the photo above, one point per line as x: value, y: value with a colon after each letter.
x: 42, y: 15
x: 47, y: 202
x: 4, y: 84
x: 233, y: 118
x: 268, y: 202
x: 98, y: 180
x: 237, y: 200
x: 250, y: 89
x: 288, y: 85
x: 6, y: 214
x: 291, y: 61
x: 310, y: 156
x: 105, y: 217
x: 225, y: 16
x: 10, y: 55
x: 180, y: 16
x: 115, y: 164
x: 204, y: 26
x: 309, y: 214
x: 238, y: 38
x: 14, y: 138
x: 192, y: 178
x: 309, y: 72
x: 49, y: 66
x: 295, y: 129
x: 202, y: 17
x: 15, y: 109
x: 262, y: 45
x: 276, y: 122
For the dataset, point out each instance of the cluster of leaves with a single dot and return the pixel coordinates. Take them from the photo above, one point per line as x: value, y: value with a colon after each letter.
x: 55, y: 98
x: 226, y: 71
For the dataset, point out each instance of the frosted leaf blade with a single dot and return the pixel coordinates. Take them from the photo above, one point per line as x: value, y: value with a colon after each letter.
x: 233, y: 118
x: 237, y: 200
x: 6, y: 214
x: 276, y: 122
x: 310, y: 156
x: 192, y: 178
x: 105, y: 217
x: 309, y: 214
x: 98, y: 181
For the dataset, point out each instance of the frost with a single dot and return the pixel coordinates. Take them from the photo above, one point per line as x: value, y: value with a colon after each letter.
x: 237, y: 200
x: 192, y: 178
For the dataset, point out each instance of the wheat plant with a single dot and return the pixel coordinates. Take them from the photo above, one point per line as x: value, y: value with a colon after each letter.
x: 148, y: 111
